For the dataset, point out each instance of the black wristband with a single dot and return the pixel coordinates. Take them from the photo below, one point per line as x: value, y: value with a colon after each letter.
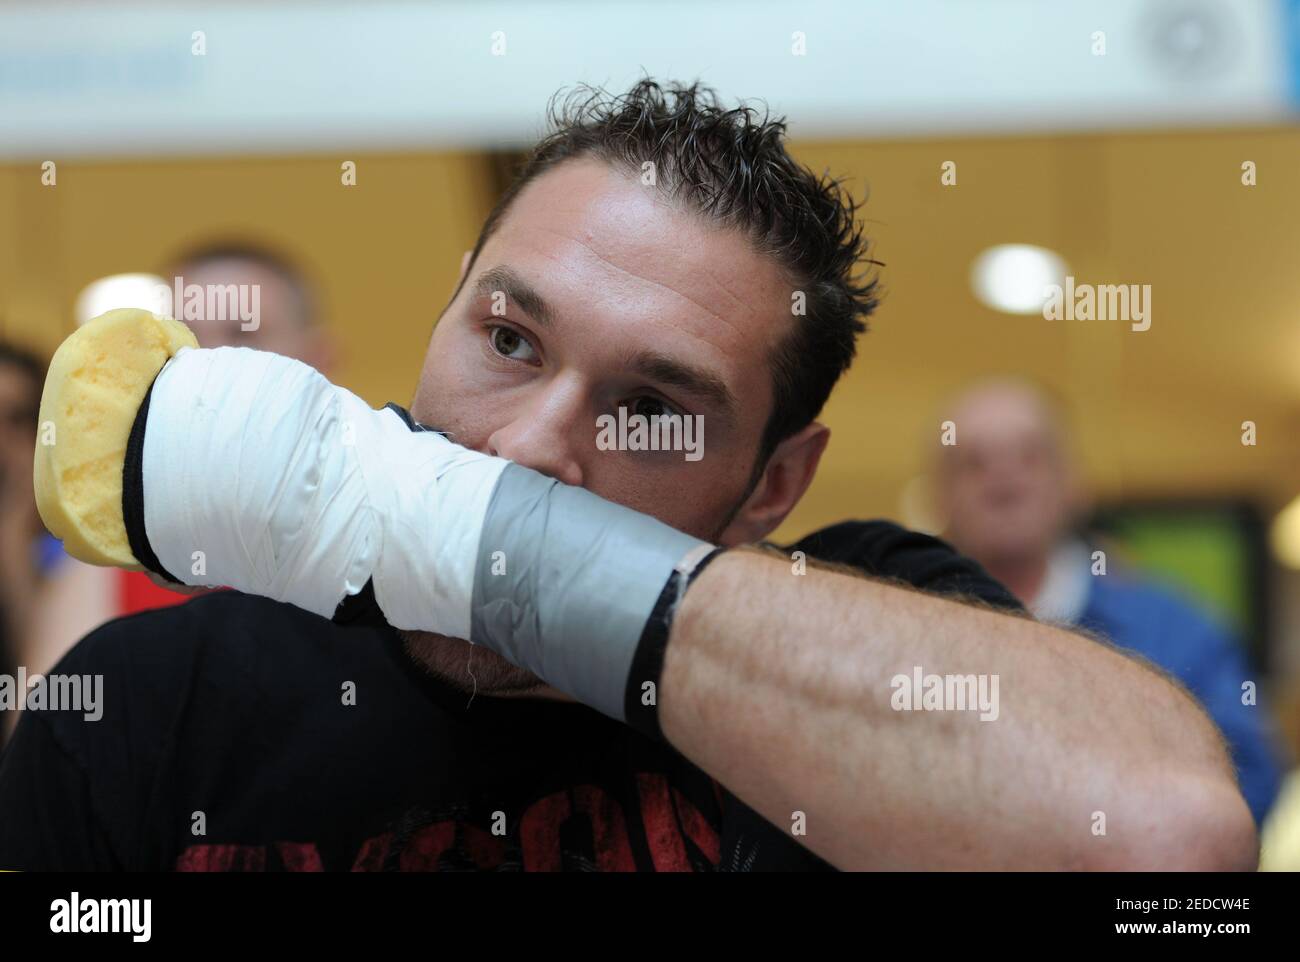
x: 641, y: 705
x: 133, y: 494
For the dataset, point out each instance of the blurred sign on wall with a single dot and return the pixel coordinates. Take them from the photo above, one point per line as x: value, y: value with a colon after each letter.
x: 110, y: 79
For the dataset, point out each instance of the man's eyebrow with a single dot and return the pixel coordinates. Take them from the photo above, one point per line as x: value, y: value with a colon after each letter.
x: 649, y: 364
x: 689, y: 377
x: 515, y: 289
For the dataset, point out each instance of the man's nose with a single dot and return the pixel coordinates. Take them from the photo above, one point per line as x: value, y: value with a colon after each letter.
x: 547, y: 434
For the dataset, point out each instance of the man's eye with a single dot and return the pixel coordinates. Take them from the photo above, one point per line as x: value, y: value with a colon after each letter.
x: 650, y: 407
x: 506, y: 341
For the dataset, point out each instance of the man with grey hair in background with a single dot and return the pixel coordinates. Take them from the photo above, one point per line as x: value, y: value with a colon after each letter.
x: 1010, y: 497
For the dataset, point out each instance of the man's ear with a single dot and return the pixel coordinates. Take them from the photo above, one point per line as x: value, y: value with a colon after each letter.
x: 789, y: 471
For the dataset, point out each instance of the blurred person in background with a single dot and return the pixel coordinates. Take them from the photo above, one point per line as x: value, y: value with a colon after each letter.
x: 25, y: 548
x: 1010, y: 497
x: 290, y: 316
x: 81, y: 597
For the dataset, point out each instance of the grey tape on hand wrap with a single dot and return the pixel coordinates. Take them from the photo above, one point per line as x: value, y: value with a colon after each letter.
x: 581, y: 577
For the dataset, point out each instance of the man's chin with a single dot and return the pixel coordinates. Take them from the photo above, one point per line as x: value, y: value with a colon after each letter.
x: 469, y: 668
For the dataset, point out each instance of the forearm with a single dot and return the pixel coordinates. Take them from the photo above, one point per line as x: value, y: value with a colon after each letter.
x: 779, y: 686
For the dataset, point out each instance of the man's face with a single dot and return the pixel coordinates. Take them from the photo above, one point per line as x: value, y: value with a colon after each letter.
x: 606, y: 296
x: 281, y: 325
x: 1005, y: 486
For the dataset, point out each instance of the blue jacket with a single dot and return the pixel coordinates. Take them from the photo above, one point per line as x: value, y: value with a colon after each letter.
x: 1189, y: 645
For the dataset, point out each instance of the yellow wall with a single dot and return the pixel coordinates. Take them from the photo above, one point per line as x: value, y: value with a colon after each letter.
x: 1159, y: 412
x: 385, y: 252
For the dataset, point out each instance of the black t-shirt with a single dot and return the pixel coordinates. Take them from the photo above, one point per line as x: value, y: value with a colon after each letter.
x: 244, y: 734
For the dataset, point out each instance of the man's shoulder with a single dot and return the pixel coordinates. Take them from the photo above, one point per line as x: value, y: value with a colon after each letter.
x: 228, y: 621
x: 1133, y: 606
x: 858, y: 542
x: 221, y: 660
x: 884, y: 549
x: 1127, y: 587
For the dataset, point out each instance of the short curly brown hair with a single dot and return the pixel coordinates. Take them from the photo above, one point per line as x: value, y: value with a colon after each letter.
x: 732, y: 164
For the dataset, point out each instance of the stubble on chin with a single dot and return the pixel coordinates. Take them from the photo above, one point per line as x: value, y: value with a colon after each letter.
x: 469, y: 668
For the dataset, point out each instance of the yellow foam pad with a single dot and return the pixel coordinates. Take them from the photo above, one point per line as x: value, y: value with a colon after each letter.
x: 96, y: 383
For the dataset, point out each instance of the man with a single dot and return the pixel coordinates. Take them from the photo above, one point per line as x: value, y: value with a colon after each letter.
x: 25, y: 549
x: 80, y: 597
x: 660, y: 253
x: 289, y: 318
x: 1010, y: 497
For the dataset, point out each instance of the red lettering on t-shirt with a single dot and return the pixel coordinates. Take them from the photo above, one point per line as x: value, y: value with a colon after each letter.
x: 539, y: 830
x: 299, y: 856
x: 372, y: 854
x: 426, y: 847
x: 662, y: 831
x: 222, y: 858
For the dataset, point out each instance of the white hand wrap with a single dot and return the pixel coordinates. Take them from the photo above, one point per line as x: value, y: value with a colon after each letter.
x: 295, y: 489
x: 259, y: 474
